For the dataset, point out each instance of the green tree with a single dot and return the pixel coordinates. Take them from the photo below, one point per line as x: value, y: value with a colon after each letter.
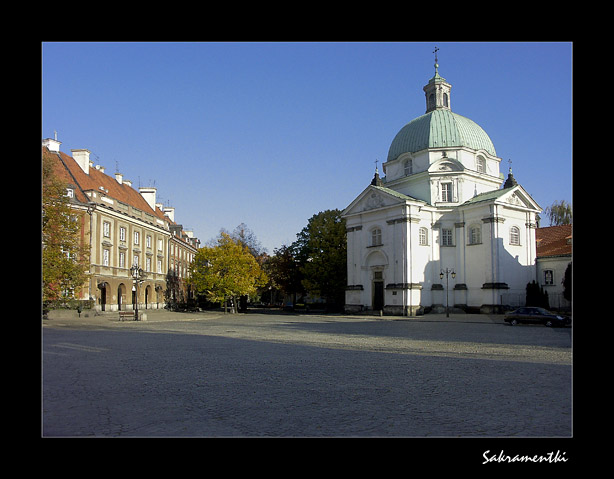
x: 65, y: 256
x: 567, y: 283
x: 225, y: 270
x: 321, y: 250
x: 284, y: 271
x: 559, y: 213
x: 536, y: 296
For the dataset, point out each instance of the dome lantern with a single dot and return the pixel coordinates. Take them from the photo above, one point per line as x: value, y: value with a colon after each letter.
x: 437, y: 90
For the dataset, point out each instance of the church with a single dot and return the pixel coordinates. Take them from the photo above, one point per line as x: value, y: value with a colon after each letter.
x: 443, y: 226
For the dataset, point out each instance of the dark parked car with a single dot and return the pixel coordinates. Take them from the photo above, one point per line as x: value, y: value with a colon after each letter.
x: 536, y: 315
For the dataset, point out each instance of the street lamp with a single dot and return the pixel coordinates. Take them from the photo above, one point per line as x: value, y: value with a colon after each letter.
x: 447, y: 272
x: 138, y: 276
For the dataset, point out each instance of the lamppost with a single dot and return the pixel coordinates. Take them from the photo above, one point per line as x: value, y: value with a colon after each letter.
x: 447, y: 272
x: 138, y: 276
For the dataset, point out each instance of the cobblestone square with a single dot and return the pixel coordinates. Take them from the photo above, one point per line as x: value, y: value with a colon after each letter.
x: 255, y: 375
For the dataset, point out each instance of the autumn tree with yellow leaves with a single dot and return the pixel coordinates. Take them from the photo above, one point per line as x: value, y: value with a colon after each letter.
x: 225, y: 270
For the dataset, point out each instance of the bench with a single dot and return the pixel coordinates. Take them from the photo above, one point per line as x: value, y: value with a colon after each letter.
x: 126, y: 315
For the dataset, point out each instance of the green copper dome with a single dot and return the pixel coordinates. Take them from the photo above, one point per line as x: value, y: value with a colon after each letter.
x: 438, y: 129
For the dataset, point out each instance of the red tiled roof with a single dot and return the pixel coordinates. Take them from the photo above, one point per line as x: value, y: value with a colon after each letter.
x: 553, y: 240
x: 70, y: 172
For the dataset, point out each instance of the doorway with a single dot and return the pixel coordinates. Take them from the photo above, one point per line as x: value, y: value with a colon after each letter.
x: 378, y: 291
x: 147, y: 290
x: 103, y: 295
x: 121, y: 291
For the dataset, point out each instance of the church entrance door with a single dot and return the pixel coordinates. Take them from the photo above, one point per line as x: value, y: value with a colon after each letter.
x: 378, y: 295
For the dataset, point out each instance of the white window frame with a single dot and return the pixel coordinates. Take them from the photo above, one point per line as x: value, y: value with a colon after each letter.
x: 446, y: 192
x: 480, y: 164
x: 423, y: 236
x: 447, y: 237
x: 475, y: 234
x: 408, y: 167
x: 376, y: 237
x: 515, y: 236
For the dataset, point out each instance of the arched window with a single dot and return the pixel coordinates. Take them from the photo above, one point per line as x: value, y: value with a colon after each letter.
x: 376, y: 237
x: 480, y: 164
x: 475, y: 234
x: 515, y: 235
x: 408, y: 167
x: 423, y: 237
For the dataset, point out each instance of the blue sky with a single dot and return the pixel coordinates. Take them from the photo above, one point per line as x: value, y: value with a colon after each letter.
x: 269, y: 134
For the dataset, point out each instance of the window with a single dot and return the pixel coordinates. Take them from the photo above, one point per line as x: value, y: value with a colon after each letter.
x: 148, y: 264
x: 135, y: 260
x: 122, y: 233
x: 122, y: 259
x: 423, y: 236
x: 480, y: 164
x: 515, y: 235
x: 408, y: 167
x: 159, y: 266
x: 475, y: 234
x: 105, y: 257
x: 70, y: 192
x: 446, y: 237
x: 106, y: 229
x: 148, y: 241
x: 159, y: 245
x: 136, y: 237
x: 446, y: 192
x: 548, y: 276
x: 376, y: 237
x: 445, y: 100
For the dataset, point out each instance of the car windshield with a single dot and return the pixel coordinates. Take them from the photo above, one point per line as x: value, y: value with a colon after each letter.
x: 541, y: 311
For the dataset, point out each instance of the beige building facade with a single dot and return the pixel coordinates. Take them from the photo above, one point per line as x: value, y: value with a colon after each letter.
x: 124, y: 227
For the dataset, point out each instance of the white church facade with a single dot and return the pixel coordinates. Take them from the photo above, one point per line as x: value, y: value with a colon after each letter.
x: 443, y: 226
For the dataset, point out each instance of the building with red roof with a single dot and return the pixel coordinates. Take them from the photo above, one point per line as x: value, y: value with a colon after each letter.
x: 124, y: 227
x: 554, y: 254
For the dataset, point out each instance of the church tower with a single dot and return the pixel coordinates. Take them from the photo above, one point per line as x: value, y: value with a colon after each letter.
x: 437, y: 91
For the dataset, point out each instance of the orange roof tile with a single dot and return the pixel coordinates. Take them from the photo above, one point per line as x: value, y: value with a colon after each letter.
x: 69, y: 171
x: 553, y: 240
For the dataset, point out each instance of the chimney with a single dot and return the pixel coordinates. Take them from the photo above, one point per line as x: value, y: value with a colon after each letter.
x: 149, y: 194
x: 170, y: 212
x: 82, y: 157
x: 53, y: 145
x: 119, y: 178
x: 128, y: 182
